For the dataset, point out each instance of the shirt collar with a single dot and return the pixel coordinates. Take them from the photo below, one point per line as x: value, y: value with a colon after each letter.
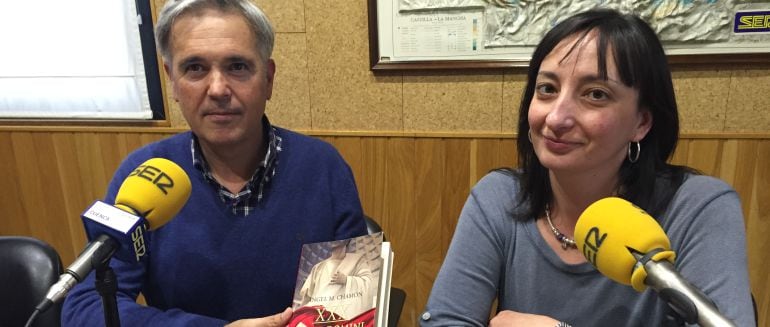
x: 252, y: 194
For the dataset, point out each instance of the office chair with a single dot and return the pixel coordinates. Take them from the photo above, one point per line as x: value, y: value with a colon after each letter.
x: 397, y: 295
x: 754, y: 304
x: 28, y: 267
x: 371, y: 225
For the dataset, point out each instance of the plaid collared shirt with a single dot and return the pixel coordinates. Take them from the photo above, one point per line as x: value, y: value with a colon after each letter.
x: 249, y: 197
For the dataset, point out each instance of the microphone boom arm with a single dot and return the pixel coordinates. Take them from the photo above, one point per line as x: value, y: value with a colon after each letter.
x: 98, y: 251
x: 684, y: 298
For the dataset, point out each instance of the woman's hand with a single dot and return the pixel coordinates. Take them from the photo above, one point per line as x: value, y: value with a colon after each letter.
x: 276, y: 320
x: 513, y: 318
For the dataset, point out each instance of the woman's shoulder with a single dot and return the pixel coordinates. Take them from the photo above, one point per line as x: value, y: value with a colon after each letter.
x: 498, y: 192
x: 700, y: 186
x: 699, y: 192
x: 499, y: 181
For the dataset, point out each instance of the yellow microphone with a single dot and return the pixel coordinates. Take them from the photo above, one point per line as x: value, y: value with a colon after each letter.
x: 156, y: 190
x: 627, y: 245
x: 149, y: 197
x: 610, y: 230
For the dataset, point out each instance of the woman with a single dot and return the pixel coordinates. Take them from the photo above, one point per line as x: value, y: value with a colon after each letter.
x: 598, y: 118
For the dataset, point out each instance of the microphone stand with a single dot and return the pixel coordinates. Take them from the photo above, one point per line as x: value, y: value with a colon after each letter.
x: 687, y: 301
x: 107, y: 285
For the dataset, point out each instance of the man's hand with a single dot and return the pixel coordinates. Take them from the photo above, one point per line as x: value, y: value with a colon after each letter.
x: 513, y: 318
x: 276, y: 320
x: 339, y: 278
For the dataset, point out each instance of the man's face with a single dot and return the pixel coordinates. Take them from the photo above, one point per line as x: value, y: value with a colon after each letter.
x: 339, y: 251
x: 219, y: 79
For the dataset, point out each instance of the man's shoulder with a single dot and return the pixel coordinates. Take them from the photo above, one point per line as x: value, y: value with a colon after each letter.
x: 299, y: 138
x: 298, y: 143
x: 177, y: 143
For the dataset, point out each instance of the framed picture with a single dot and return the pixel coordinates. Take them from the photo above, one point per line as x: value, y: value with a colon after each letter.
x: 451, y: 34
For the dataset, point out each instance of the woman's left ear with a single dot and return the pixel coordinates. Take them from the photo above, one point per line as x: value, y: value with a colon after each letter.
x: 644, y: 125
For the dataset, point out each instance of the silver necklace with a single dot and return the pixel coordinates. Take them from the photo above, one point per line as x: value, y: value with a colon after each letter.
x: 563, y: 239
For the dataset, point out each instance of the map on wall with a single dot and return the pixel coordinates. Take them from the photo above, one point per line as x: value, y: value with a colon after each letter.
x: 503, y: 29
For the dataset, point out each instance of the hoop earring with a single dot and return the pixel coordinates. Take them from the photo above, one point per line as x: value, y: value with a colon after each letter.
x: 635, y: 157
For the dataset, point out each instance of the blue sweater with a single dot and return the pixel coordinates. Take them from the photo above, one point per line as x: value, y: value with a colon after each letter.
x: 206, y: 266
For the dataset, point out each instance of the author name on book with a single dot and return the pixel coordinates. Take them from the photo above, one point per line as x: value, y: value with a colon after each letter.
x: 337, y: 297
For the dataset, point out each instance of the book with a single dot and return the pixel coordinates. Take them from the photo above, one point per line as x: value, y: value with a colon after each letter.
x: 343, y: 283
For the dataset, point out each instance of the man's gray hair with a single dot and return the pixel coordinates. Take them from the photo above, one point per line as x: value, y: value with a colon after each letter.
x: 258, y: 22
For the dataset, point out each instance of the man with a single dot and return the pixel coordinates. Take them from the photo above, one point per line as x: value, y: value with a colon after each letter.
x: 259, y: 191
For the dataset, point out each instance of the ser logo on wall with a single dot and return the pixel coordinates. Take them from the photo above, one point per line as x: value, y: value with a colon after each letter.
x: 752, y: 21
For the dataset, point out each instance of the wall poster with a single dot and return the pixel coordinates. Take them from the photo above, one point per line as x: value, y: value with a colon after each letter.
x: 423, y: 34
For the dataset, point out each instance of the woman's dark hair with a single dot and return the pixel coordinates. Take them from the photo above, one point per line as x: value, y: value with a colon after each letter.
x: 642, y: 65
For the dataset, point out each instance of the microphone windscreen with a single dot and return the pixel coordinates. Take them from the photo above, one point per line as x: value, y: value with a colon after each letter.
x: 156, y: 191
x: 610, y: 229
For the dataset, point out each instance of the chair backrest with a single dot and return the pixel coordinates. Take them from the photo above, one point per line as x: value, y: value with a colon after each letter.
x: 397, y: 299
x: 397, y: 295
x: 28, y: 267
x: 371, y: 225
x: 754, y: 304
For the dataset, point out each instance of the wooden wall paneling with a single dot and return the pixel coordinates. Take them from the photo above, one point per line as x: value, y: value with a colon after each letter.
x: 114, y: 150
x: 94, y: 177
x: 35, y: 185
x: 23, y: 158
x: 399, y: 218
x: 125, y: 144
x: 41, y: 188
x: 728, y: 160
x: 742, y: 156
x: 76, y: 194
x: 90, y: 155
x: 456, y: 188
x: 508, y: 155
x: 757, y: 229
x: 484, y: 158
x: 430, y: 169
x: 131, y: 142
x: 704, y: 155
x: 14, y: 219
x: 350, y: 149
x: 147, y: 138
x: 372, y: 178
x: 680, y: 153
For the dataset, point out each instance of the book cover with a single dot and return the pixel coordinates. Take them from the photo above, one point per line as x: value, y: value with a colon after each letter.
x: 343, y: 283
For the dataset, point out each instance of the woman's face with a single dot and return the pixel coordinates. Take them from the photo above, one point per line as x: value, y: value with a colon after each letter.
x: 580, y: 122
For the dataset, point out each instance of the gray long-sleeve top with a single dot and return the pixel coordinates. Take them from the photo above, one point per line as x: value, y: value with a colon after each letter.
x: 493, y: 255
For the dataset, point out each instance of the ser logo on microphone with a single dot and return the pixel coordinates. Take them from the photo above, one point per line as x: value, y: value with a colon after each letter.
x: 594, y: 239
x: 153, y: 174
x: 137, y: 236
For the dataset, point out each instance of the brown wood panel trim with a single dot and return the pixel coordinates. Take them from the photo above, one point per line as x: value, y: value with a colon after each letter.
x: 482, y: 135
x: 85, y: 123
x: 725, y: 135
x: 93, y: 129
x: 330, y: 133
x: 461, y: 135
